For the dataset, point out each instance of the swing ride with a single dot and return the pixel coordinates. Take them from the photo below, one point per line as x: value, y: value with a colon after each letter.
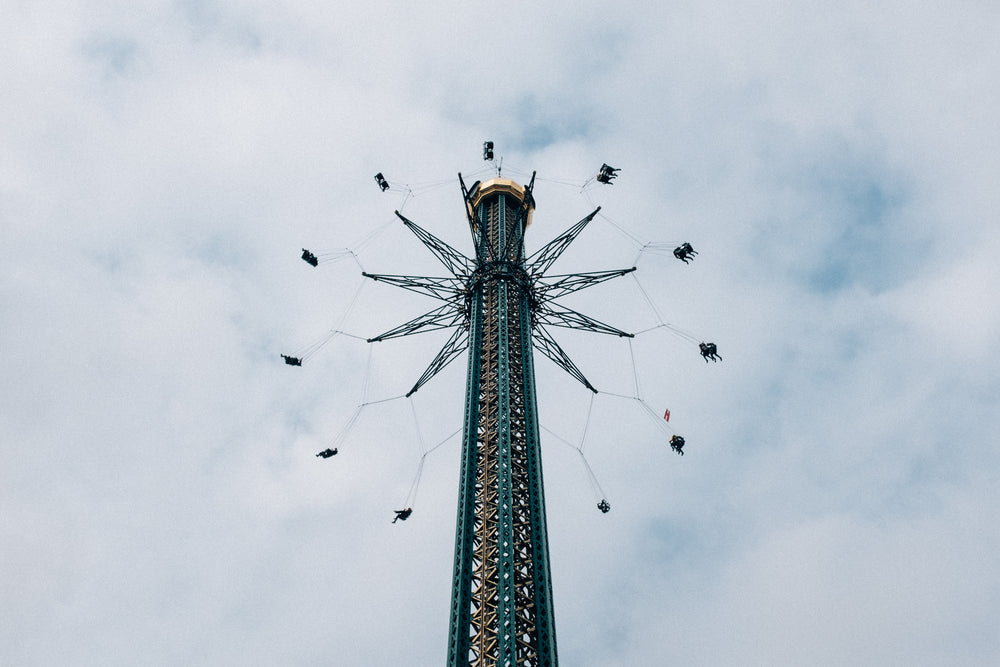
x: 500, y: 306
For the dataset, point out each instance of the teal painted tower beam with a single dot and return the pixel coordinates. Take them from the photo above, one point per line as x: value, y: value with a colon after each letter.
x: 501, y: 609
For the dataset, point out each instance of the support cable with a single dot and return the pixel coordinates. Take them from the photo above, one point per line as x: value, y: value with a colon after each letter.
x: 586, y: 425
x: 352, y: 251
x: 660, y: 248
x: 334, y: 256
x: 661, y: 423
x: 645, y: 295
x: 637, y: 397
x: 411, y: 496
x: 416, y: 425
x: 684, y: 335
x: 345, y: 431
x: 305, y: 353
x: 368, y: 240
x: 575, y: 185
x: 338, y: 440
x: 635, y: 371
x: 414, y: 190
x: 368, y: 373
x: 482, y: 171
x: 351, y: 305
x: 406, y: 198
x: 342, y: 434
x: 662, y: 323
x: 312, y: 348
x: 308, y: 351
x: 595, y: 486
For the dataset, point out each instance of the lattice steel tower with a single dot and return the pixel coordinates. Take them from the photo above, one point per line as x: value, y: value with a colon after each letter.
x: 500, y: 305
x: 501, y: 607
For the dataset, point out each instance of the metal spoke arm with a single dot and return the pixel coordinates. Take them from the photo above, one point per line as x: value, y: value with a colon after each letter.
x: 546, y: 344
x: 484, y: 251
x: 527, y: 204
x: 469, y: 212
x: 570, y: 319
x: 542, y: 259
x: 447, y: 316
x: 446, y: 289
x: 455, y: 346
x: 569, y: 283
x: 454, y: 261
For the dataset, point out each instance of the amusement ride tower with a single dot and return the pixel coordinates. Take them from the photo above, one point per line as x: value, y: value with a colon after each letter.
x: 500, y: 305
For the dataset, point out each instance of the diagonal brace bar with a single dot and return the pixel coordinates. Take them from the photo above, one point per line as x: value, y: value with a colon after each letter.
x: 542, y: 259
x: 446, y: 316
x: 454, y: 261
x: 546, y: 344
x: 457, y: 344
x: 527, y: 203
x: 569, y: 283
x: 469, y: 212
x: 570, y: 319
x: 445, y: 289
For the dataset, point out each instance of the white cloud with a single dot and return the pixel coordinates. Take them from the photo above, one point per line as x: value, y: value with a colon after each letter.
x: 165, y: 163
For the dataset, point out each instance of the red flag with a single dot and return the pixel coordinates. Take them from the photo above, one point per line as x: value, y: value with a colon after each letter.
x: 666, y: 415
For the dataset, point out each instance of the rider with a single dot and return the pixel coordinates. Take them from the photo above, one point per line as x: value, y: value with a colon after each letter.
x: 684, y: 251
x: 607, y: 173
x: 709, y: 351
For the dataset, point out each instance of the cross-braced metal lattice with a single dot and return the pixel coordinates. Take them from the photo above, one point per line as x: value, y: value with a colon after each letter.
x: 501, y: 305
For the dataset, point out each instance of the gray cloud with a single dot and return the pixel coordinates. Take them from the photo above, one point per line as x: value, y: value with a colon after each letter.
x: 165, y: 164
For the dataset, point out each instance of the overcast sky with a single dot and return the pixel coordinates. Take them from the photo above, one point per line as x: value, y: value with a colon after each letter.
x: 164, y: 163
